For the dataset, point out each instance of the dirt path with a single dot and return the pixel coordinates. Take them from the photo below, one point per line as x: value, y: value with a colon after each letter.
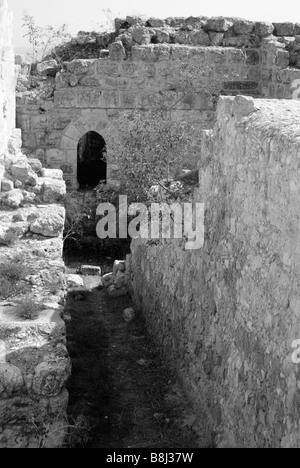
x: 121, y: 395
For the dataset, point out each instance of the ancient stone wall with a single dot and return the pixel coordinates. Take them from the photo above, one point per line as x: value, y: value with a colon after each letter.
x: 226, y: 315
x: 7, y: 81
x: 34, y: 363
x: 222, y: 56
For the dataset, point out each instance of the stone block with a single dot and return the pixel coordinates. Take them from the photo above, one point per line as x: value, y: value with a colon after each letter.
x: 216, y: 38
x: 200, y: 38
x: 12, y: 199
x: 218, y: 24
x: 6, y: 185
x: 47, y: 68
x: 140, y: 35
x: 282, y: 58
x: 283, y: 29
x: 117, y: 51
x: 50, y: 377
x: 11, y: 380
x: 253, y: 57
x: 162, y: 36
x: 240, y: 85
x: 24, y: 173
x: 243, y: 27
x: 263, y: 28
x: 50, y: 222
x: 88, y: 270
x: 155, y: 23
x: 52, y: 174
x: 217, y: 56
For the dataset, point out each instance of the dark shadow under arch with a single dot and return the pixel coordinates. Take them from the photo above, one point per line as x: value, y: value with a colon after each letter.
x: 91, y: 160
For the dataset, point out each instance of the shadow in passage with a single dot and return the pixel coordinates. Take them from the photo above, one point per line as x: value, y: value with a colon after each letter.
x: 120, y: 388
x: 92, y: 399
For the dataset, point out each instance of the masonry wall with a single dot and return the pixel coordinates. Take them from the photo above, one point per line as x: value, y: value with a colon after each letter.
x: 226, y: 315
x: 7, y: 80
x: 34, y: 362
x: 222, y: 56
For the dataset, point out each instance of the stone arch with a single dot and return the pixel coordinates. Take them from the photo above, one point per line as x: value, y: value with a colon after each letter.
x: 89, y: 122
x: 91, y: 160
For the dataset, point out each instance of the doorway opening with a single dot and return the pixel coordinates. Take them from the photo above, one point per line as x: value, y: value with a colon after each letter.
x: 91, y: 161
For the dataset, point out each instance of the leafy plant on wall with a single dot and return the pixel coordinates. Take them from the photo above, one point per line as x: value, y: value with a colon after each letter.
x: 155, y: 143
x: 43, y: 39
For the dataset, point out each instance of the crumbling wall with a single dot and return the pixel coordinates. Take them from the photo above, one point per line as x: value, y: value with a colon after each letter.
x: 139, y: 60
x: 7, y: 77
x: 34, y: 362
x: 226, y: 315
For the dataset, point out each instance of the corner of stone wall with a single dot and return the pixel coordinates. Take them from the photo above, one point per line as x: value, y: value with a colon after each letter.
x: 34, y: 362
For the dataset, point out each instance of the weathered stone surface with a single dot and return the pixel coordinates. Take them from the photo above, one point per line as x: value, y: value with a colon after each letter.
x: 75, y: 281
x: 219, y: 24
x: 119, y: 265
x: 117, y: 51
x: 282, y: 58
x: 50, y: 222
x: 28, y: 420
x: 35, y: 165
x: 24, y: 173
x: 155, y: 23
x: 47, y: 68
x: 7, y: 185
x: 11, y: 380
x: 113, y: 291
x: 12, y: 199
x: 90, y: 270
x: 263, y: 29
x: 129, y: 315
x: 216, y: 38
x: 50, y: 377
x: 15, y: 141
x: 107, y: 280
x: 200, y: 38
x: 162, y: 36
x: 255, y: 143
x: 54, y: 190
x: 52, y: 174
x: 243, y: 27
x: 297, y: 29
x: 140, y: 35
x: 283, y: 29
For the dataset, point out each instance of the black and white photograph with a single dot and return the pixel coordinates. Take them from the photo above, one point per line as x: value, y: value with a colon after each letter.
x: 149, y: 227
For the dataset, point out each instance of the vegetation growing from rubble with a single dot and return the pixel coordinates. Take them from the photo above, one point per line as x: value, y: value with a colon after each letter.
x: 154, y: 144
x: 11, y: 274
x: 28, y: 309
x: 43, y: 40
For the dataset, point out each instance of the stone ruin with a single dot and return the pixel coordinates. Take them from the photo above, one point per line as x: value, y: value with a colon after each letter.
x: 225, y: 316
x: 116, y: 72
x: 34, y: 363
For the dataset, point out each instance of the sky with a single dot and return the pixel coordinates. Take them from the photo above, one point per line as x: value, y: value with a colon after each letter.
x: 88, y: 14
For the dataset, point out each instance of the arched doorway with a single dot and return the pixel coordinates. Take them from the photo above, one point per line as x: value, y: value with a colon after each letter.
x: 91, y: 160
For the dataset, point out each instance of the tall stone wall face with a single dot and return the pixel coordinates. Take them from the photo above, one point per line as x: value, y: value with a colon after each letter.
x: 226, y: 315
x: 34, y: 362
x: 91, y: 95
x: 7, y: 76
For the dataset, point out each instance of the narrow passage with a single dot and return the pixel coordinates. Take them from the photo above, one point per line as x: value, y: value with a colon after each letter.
x: 121, y: 394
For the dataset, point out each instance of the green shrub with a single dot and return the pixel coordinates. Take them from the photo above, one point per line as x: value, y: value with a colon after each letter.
x: 11, y: 273
x: 28, y: 309
x: 10, y: 238
x: 7, y: 289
